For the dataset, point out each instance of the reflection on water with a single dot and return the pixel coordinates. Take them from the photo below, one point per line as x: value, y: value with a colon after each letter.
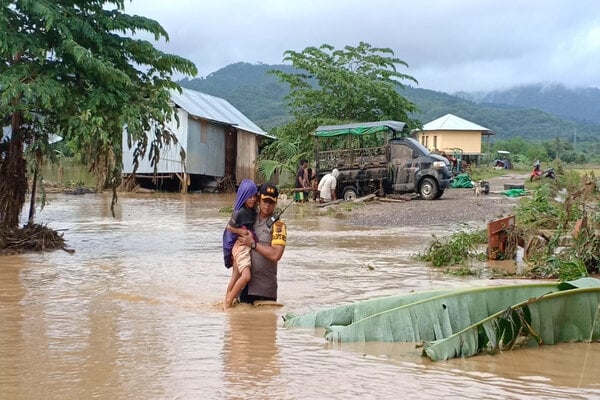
x: 68, y: 172
x: 135, y: 313
x: 250, y: 357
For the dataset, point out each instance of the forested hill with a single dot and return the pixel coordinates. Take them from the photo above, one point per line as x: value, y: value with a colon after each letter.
x: 249, y: 88
x: 580, y: 104
x: 542, y: 116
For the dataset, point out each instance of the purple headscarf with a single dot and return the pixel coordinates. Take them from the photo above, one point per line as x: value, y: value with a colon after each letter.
x: 246, y: 190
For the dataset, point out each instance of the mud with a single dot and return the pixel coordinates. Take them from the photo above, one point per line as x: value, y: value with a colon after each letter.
x: 456, y: 206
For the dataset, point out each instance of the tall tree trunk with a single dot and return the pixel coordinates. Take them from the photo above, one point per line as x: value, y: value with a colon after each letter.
x: 13, y: 176
x: 32, y: 197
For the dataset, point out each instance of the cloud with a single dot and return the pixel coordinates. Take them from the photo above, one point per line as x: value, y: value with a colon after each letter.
x: 449, y: 45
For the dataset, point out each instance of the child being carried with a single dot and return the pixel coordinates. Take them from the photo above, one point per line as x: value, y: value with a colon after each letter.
x: 236, y: 254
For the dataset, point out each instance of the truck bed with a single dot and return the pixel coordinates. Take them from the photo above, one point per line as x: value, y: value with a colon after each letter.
x: 348, y: 159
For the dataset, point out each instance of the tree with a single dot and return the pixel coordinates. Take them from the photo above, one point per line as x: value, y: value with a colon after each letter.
x: 75, y: 68
x: 333, y: 86
x: 557, y: 148
x: 522, y: 151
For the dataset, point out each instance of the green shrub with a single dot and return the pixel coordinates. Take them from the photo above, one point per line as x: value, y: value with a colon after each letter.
x: 456, y: 249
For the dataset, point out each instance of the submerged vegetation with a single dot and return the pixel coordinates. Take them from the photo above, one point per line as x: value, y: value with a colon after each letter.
x: 464, y: 322
x: 558, y: 227
x: 458, y: 249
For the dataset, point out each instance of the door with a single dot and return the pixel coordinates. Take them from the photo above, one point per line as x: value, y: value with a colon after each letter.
x: 404, y: 166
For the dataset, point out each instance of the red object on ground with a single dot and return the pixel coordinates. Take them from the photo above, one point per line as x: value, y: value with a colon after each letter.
x: 497, y: 236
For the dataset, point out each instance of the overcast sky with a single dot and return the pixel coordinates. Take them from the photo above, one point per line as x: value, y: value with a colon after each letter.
x: 449, y: 45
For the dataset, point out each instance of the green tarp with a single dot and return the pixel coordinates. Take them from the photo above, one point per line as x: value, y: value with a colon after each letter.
x: 358, y: 129
x: 514, y: 192
x: 462, y: 181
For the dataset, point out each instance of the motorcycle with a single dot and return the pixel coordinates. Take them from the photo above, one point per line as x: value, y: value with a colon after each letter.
x: 538, y: 173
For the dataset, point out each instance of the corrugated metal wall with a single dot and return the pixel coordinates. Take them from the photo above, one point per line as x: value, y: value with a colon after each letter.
x: 204, y: 143
x: 205, y: 148
x: 170, y: 160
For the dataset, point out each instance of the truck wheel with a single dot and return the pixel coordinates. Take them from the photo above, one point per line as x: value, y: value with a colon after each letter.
x: 349, y: 194
x: 429, y: 189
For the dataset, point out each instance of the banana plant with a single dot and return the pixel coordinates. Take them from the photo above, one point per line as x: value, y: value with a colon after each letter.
x: 564, y: 316
x: 346, y: 314
x: 432, y: 315
x: 436, y: 317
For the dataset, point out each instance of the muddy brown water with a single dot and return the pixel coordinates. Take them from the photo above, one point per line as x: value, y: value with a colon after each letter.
x: 134, y: 314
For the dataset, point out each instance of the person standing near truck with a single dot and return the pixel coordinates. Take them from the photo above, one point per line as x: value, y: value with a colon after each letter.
x: 301, y: 181
x: 327, y: 186
x: 313, y: 193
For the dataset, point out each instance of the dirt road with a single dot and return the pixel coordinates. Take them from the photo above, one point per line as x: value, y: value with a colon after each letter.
x: 454, y: 207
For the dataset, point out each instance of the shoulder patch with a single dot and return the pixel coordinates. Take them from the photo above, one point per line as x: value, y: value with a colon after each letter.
x: 278, y: 226
x: 279, y: 235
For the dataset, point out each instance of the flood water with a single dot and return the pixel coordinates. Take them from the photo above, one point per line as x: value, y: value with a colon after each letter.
x: 134, y: 313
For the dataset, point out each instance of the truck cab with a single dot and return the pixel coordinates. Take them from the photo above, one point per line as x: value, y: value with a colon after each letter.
x: 376, y: 157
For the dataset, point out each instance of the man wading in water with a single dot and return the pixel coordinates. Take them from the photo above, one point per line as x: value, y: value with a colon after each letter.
x: 267, y: 251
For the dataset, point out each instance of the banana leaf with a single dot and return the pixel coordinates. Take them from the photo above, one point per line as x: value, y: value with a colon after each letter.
x: 564, y: 316
x: 435, y: 317
x: 347, y: 313
x: 442, y: 314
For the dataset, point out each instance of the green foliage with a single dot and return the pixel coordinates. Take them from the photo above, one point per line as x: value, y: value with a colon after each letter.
x: 541, y: 211
x: 522, y: 151
x: 294, y: 143
x: 249, y: 88
x: 261, y: 97
x: 226, y: 210
x: 562, y: 316
x: 555, y: 207
x: 485, y: 172
x: 545, y: 220
x: 75, y: 184
x: 587, y: 251
x: 77, y: 69
x: 456, y: 249
x: 351, y: 84
x: 560, y: 267
x: 329, y: 86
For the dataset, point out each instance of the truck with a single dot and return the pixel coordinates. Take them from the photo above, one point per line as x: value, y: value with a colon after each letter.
x: 380, y: 158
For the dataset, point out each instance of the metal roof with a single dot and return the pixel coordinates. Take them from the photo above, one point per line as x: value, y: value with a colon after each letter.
x: 450, y: 122
x: 214, y: 109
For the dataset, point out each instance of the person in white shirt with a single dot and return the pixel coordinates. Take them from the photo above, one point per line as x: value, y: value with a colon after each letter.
x: 327, y: 186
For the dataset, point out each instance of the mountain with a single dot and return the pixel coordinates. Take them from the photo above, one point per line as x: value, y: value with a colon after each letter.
x: 535, y: 113
x: 249, y: 88
x: 504, y: 120
x: 579, y: 104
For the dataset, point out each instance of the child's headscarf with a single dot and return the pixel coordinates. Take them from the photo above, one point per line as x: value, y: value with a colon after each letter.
x: 246, y: 190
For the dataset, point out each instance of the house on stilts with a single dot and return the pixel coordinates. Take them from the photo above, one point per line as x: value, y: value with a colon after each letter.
x: 216, y: 148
